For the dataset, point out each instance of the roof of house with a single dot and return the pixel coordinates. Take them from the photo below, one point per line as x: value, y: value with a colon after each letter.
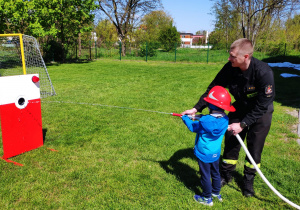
x: 194, y: 36
x: 186, y: 34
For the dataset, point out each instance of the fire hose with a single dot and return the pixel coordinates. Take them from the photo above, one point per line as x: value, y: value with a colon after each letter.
x: 256, y: 167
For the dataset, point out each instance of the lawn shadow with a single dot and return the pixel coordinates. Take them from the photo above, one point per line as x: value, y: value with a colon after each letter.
x: 44, y: 134
x: 238, y: 178
x: 69, y: 61
x: 183, y: 172
x: 286, y: 89
x: 281, y: 59
x: 191, y: 177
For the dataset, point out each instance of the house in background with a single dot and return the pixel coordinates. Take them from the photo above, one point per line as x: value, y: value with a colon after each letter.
x: 191, y: 41
x: 198, y: 39
x: 186, y: 39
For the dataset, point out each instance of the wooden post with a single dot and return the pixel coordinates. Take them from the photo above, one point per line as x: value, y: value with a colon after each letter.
x: 146, y: 51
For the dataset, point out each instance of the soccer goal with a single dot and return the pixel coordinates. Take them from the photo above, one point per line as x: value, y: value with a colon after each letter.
x: 20, y: 54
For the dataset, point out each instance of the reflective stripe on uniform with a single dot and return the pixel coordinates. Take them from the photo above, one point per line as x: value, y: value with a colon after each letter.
x: 249, y: 165
x: 228, y: 161
x: 251, y: 95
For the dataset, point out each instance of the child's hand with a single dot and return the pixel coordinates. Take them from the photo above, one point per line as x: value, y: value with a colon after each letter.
x: 192, y: 111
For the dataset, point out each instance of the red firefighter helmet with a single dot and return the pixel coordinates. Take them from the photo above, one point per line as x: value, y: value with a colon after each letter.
x: 220, y: 97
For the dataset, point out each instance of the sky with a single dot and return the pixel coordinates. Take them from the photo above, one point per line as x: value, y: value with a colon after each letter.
x: 190, y: 15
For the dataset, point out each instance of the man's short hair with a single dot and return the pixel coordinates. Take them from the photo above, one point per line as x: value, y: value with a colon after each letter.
x: 244, y: 46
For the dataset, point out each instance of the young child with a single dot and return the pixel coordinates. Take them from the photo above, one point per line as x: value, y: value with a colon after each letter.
x: 210, y: 131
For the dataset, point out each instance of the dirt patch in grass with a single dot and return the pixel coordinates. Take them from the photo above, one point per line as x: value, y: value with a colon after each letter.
x: 293, y: 112
x: 294, y: 128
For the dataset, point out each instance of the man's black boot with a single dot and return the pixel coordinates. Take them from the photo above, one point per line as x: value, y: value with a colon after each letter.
x: 225, y: 178
x: 248, y: 180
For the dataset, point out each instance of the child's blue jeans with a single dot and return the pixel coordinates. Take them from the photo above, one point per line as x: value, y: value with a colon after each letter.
x: 210, y: 178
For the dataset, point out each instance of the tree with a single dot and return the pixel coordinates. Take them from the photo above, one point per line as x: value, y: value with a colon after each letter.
x: 106, y: 32
x: 293, y: 31
x: 123, y: 14
x: 64, y: 19
x: 15, y: 16
x: 147, y: 33
x: 201, y: 32
x: 272, y: 39
x: 57, y: 20
x: 152, y: 24
x: 253, y: 16
x: 226, y: 25
x: 169, y: 37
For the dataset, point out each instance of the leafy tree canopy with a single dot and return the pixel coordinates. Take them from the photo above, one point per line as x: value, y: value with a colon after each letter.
x: 106, y: 32
x: 124, y: 13
x: 293, y: 30
x: 152, y: 24
x: 169, y: 37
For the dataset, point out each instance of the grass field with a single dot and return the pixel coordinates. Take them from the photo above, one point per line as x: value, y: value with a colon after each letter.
x: 115, y: 150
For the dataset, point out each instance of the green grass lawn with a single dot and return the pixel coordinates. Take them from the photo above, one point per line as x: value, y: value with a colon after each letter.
x: 113, y: 152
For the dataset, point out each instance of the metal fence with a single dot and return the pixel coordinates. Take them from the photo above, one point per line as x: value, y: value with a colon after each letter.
x: 153, y: 51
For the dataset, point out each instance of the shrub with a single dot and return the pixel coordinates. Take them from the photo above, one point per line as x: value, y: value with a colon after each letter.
x: 169, y: 37
x: 148, y: 48
x: 276, y: 49
x: 53, y: 51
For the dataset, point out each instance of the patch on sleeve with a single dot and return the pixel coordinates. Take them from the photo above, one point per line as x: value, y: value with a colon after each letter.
x: 269, y: 89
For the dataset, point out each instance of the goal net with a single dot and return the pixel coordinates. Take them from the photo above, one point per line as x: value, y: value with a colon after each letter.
x: 20, y: 54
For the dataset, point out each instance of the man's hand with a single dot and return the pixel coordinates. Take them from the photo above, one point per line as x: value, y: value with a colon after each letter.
x: 235, y: 128
x: 192, y: 112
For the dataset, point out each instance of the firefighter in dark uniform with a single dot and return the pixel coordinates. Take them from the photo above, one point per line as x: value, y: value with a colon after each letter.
x: 251, y: 83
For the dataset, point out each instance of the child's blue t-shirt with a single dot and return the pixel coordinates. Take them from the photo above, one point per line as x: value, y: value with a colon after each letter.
x: 210, y: 131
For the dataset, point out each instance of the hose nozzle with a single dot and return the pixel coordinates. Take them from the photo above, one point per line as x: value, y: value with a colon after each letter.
x: 192, y: 117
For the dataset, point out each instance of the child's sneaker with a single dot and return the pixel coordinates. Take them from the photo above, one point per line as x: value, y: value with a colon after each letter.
x: 217, y: 196
x: 203, y: 200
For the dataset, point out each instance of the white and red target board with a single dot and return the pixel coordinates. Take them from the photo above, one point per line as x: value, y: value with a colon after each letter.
x: 20, y: 112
